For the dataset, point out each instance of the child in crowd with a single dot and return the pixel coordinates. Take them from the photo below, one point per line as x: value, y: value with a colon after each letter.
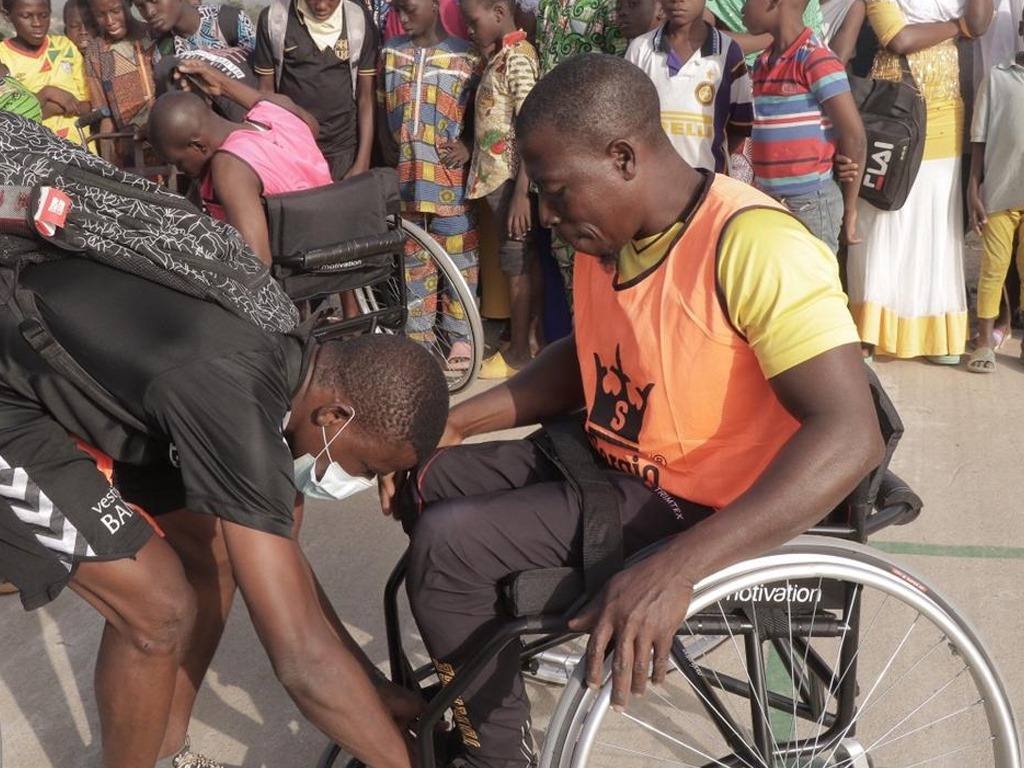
x: 635, y: 17
x: 78, y: 27
x: 179, y: 26
x: 427, y: 78
x: 498, y: 177
x: 322, y: 54
x: 702, y: 82
x: 16, y: 98
x: 119, y: 70
x: 448, y: 11
x: 995, y: 196
x: 728, y: 15
x: 803, y: 114
x: 49, y: 66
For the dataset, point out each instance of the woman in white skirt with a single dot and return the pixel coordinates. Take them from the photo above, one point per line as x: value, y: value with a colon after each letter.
x: 906, y: 279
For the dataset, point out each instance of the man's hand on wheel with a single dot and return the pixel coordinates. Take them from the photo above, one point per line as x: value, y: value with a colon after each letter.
x: 641, y: 608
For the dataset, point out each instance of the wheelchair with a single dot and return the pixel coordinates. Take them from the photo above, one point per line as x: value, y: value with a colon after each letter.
x: 345, y: 248
x: 824, y: 653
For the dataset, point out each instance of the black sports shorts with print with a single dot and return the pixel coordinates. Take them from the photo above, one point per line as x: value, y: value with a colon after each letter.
x: 57, y: 509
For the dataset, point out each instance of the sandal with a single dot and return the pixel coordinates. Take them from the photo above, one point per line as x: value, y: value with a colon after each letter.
x: 999, y: 337
x: 460, y: 357
x: 944, y: 359
x: 982, y: 360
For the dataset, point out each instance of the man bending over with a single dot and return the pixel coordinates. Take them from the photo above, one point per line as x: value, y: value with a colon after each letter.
x: 227, y: 422
x: 236, y: 164
x: 726, y: 400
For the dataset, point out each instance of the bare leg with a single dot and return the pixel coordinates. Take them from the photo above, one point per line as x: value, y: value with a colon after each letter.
x: 150, y: 610
x: 985, y: 327
x: 537, y: 338
x: 518, y: 352
x: 199, y: 541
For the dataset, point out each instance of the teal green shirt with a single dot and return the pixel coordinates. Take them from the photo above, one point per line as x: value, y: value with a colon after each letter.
x: 730, y: 13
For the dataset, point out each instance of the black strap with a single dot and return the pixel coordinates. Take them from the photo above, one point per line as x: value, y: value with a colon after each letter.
x: 908, y: 75
x: 227, y: 20
x: 602, y: 525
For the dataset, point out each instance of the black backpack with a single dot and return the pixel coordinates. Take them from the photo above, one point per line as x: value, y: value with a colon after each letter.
x: 58, y: 201
x: 97, y: 211
x: 894, y: 121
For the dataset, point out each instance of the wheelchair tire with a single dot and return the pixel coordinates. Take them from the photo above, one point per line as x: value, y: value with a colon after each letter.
x: 440, y: 305
x: 866, y: 666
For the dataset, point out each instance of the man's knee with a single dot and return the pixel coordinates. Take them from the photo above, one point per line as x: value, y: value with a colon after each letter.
x: 165, y: 626
x: 146, y: 599
x: 435, y: 542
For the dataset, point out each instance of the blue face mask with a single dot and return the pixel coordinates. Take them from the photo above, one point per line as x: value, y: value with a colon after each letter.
x: 336, y: 484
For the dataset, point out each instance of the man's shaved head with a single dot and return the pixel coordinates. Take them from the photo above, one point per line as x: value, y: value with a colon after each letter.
x: 181, y: 129
x: 596, y: 99
x: 177, y: 118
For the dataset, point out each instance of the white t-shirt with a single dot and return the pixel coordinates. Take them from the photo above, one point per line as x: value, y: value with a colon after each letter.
x: 699, y: 97
x: 998, y: 117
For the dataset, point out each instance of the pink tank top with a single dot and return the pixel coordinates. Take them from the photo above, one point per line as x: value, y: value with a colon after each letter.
x: 282, y: 152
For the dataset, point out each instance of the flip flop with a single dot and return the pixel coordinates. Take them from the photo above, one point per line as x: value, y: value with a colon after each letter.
x: 944, y: 359
x: 495, y: 367
x: 999, y: 337
x: 982, y: 360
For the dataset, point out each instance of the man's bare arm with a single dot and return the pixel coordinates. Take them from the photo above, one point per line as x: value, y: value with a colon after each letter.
x: 852, y: 143
x: 216, y: 83
x: 238, y: 189
x: 837, y: 443
x: 549, y: 386
x: 323, y: 677
x: 366, y: 101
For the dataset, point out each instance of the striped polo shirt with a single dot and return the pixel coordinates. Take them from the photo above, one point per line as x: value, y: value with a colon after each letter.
x: 793, y: 140
x: 700, y: 98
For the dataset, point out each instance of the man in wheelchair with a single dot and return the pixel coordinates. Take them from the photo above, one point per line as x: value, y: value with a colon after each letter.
x: 235, y: 164
x: 727, y: 408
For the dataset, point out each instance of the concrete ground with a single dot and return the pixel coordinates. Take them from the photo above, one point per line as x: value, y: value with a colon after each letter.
x: 962, y: 452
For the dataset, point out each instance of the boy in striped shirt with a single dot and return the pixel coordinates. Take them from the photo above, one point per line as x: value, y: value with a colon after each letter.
x: 804, y: 115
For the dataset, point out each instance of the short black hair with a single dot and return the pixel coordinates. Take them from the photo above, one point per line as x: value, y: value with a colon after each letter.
x: 596, y: 98
x: 8, y: 5
x: 395, y: 385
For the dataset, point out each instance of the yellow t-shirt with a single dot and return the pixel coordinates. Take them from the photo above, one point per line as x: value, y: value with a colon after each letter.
x: 57, y: 63
x: 781, y: 287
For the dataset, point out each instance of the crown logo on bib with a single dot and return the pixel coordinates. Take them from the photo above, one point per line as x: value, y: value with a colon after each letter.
x: 619, y: 405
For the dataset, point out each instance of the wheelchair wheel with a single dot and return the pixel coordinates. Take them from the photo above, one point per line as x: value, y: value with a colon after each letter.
x: 834, y: 657
x: 442, y: 310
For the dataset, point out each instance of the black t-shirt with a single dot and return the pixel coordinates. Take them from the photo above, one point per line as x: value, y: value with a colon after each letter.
x: 214, y: 385
x: 317, y: 80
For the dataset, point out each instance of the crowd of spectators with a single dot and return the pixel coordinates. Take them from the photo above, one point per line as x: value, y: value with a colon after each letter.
x: 322, y: 90
x: 758, y: 90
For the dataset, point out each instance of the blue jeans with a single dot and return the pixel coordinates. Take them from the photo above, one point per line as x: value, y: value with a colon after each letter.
x: 821, y: 212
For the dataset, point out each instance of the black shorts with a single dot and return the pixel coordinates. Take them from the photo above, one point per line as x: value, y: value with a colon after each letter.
x: 58, y: 508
